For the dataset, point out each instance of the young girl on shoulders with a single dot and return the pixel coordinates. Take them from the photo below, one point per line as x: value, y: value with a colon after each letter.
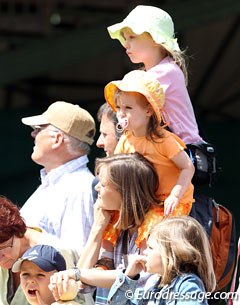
x: 138, y: 99
x: 147, y: 34
x: 178, y: 254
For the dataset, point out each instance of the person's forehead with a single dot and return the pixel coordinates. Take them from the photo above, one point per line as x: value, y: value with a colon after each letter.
x: 103, y: 173
x: 133, y: 98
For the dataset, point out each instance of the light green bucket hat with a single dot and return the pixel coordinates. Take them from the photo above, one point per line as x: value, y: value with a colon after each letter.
x: 144, y: 18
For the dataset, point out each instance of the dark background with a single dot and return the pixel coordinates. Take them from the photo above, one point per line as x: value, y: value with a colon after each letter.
x: 60, y: 50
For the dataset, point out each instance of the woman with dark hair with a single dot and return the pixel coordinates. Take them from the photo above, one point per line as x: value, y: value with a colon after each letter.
x: 15, y: 239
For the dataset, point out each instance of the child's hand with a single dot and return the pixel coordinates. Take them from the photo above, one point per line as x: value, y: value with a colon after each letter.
x: 136, y: 265
x: 39, y: 299
x: 60, y: 282
x: 169, y: 204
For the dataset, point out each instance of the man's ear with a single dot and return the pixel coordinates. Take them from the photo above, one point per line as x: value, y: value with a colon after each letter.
x: 58, y: 139
x: 149, y: 110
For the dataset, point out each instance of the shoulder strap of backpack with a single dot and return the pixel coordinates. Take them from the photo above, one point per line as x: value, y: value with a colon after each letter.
x: 232, y: 288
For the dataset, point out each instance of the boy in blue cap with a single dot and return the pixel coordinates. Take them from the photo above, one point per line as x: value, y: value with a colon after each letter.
x: 36, y: 267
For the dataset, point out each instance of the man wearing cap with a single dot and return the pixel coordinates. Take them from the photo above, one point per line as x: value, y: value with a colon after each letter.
x: 63, y: 204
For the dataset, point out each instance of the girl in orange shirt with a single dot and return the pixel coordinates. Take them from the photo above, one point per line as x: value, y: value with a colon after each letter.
x: 138, y: 99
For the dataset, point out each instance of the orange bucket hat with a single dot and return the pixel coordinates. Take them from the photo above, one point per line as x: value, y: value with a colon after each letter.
x: 141, y: 82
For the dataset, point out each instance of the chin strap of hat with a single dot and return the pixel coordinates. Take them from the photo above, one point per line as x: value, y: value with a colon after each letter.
x: 164, y: 118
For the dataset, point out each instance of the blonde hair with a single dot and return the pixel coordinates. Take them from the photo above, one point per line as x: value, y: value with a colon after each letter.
x: 179, y: 58
x: 184, y: 247
x: 136, y: 180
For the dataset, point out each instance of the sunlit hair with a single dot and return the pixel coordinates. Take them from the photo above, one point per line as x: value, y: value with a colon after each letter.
x: 154, y: 130
x: 105, y: 109
x: 135, y: 179
x: 11, y: 222
x: 178, y: 57
x: 184, y: 247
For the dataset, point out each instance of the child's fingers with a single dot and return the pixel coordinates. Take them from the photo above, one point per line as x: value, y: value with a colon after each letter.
x: 141, y: 259
x: 136, y: 264
x: 144, y: 267
x: 167, y: 209
x: 136, y: 258
x: 54, y: 290
x: 39, y: 299
x: 169, y: 204
x: 141, y: 265
x: 58, y: 284
x: 143, y: 262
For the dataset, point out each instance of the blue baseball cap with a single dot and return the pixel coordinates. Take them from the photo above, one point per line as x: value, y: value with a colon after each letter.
x: 45, y: 257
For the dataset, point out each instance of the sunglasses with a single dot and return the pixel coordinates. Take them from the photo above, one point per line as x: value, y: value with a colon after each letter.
x: 37, y: 128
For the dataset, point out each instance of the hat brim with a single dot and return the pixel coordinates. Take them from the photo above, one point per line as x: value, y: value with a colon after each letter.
x: 40, y: 262
x: 35, y: 120
x: 109, y: 93
x: 111, y: 88
x: 115, y: 30
x: 158, y: 36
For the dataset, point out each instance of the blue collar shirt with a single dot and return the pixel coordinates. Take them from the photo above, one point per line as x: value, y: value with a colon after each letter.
x: 63, y: 204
